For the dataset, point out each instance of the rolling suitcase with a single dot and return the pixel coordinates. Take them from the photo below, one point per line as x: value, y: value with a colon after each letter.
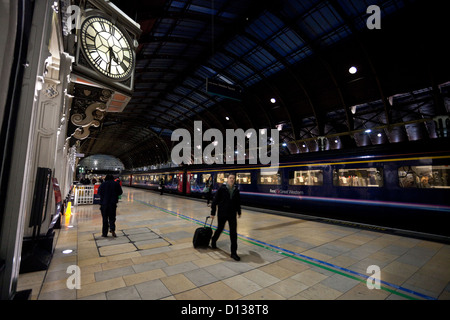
x: 202, y: 235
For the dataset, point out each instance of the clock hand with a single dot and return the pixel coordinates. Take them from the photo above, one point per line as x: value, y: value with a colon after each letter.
x: 109, y: 64
x: 114, y: 56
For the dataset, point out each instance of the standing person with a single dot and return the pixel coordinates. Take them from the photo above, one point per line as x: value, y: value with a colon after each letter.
x: 161, y: 185
x: 228, y: 199
x: 109, y: 192
x: 209, y: 186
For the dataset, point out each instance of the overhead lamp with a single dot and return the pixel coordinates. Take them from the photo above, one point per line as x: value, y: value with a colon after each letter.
x: 227, y: 118
x: 353, y: 70
x: 273, y: 100
x: 284, y: 144
x: 67, y: 251
x: 368, y: 131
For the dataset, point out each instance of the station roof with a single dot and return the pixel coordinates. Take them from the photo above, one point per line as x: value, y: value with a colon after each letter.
x: 290, y: 60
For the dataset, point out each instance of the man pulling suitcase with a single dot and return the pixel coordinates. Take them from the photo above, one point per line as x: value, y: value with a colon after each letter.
x: 228, y: 199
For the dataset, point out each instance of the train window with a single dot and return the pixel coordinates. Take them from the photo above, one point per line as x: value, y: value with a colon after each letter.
x: 306, y: 178
x: 243, y: 178
x: 222, y: 177
x: 366, y: 177
x: 274, y: 179
x: 424, y: 177
x: 205, y: 177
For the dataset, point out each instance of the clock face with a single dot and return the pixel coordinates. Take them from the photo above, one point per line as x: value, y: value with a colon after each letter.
x: 106, y: 48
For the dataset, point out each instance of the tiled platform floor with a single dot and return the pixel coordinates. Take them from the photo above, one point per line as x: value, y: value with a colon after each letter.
x: 281, y: 258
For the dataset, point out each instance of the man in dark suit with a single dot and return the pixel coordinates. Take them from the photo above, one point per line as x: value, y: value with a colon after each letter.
x: 228, y: 199
x: 109, y: 192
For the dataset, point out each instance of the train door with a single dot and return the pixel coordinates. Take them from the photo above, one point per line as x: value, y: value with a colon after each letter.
x: 180, y: 182
x: 188, y: 182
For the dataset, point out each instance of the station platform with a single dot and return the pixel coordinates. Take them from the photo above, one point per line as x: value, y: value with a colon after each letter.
x: 282, y: 258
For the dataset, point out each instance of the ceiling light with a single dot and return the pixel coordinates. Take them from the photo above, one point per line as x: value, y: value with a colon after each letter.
x: 227, y: 118
x: 67, y: 251
x: 379, y: 135
x: 284, y: 144
x: 368, y: 131
x: 352, y: 70
x: 273, y: 100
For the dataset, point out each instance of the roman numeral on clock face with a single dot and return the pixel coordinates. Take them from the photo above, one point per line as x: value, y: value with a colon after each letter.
x: 98, y: 60
x: 91, y: 48
x: 90, y: 37
x: 124, y: 66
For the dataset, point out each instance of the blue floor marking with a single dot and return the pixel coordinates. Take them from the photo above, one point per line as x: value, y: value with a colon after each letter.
x: 300, y: 255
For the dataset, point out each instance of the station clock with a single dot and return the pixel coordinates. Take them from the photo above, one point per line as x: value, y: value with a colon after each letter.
x: 107, y: 49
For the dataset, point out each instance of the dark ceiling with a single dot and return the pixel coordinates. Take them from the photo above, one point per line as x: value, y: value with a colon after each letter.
x: 296, y: 51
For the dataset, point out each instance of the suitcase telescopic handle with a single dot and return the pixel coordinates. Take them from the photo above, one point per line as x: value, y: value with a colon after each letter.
x: 207, y: 221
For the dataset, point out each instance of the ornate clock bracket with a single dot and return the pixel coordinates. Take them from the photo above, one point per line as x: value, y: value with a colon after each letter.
x: 103, y: 74
x: 93, y: 115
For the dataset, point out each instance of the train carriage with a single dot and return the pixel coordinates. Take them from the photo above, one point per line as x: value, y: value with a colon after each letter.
x: 388, y: 187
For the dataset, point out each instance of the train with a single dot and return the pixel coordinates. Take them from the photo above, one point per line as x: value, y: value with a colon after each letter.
x: 403, y: 187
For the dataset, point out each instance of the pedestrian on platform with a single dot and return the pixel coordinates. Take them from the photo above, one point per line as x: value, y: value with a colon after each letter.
x: 161, y: 186
x: 109, y: 192
x: 228, y: 199
x: 208, y: 187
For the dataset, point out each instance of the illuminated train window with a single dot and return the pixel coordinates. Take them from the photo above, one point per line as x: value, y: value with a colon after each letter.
x: 222, y: 177
x: 306, y: 178
x: 273, y: 179
x: 366, y: 177
x: 241, y: 178
x: 205, y: 177
x: 244, y: 178
x: 424, y: 177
